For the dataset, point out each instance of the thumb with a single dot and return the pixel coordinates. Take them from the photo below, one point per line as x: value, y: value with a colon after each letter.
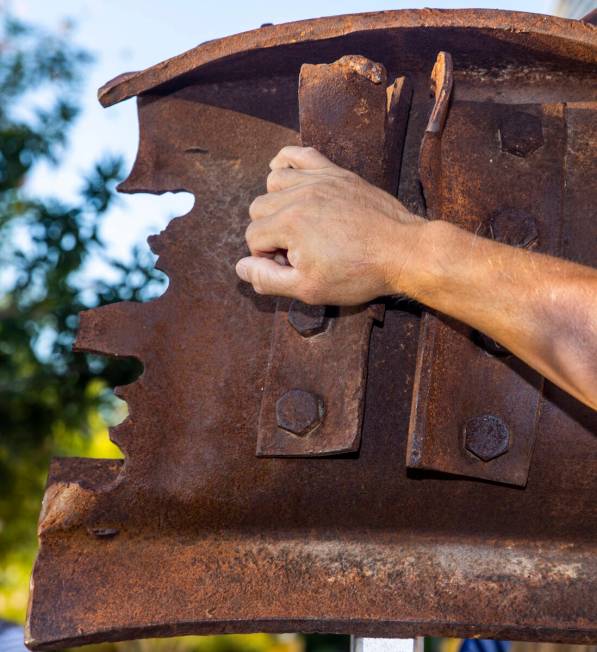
x: 267, y: 276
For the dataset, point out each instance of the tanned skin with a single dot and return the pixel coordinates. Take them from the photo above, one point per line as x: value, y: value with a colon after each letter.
x: 347, y: 242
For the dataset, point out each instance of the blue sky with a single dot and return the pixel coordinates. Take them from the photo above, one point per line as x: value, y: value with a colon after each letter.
x: 129, y: 35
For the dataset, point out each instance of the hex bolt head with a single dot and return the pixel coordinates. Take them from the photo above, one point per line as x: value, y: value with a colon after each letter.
x: 521, y: 133
x: 307, y: 320
x: 299, y: 412
x: 486, y: 437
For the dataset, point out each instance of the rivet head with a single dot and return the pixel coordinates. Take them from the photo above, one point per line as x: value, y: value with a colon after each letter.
x: 299, y: 412
x: 521, y: 133
x: 307, y: 320
x: 486, y: 437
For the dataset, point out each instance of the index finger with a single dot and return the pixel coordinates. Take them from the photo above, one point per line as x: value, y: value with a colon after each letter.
x: 300, y: 158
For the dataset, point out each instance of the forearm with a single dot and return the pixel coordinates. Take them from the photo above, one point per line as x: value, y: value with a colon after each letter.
x: 542, y: 309
x: 347, y: 242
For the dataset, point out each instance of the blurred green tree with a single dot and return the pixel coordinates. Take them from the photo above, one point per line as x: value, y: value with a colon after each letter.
x: 50, y: 397
x: 47, y: 394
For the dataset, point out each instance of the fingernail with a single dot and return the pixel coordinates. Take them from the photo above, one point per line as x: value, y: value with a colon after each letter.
x: 241, y: 269
x: 281, y: 259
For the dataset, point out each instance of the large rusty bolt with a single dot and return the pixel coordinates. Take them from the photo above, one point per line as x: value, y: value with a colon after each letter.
x: 486, y: 437
x: 521, y: 133
x: 299, y: 412
x: 307, y: 320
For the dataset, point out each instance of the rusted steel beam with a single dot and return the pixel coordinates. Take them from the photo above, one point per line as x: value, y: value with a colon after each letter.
x: 483, y: 39
x: 315, y: 388
x: 192, y: 532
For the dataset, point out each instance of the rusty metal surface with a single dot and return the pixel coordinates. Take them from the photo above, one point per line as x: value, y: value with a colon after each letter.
x: 484, y: 39
x: 317, y: 367
x: 430, y: 168
x: 525, y: 147
x: 193, y: 532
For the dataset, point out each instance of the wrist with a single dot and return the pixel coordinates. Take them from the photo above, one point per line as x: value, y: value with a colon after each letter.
x: 417, y: 258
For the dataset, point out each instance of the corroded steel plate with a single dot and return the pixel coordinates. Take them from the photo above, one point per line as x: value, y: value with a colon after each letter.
x: 196, y: 533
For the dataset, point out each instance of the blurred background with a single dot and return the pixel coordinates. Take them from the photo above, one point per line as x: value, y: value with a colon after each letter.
x: 68, y: 243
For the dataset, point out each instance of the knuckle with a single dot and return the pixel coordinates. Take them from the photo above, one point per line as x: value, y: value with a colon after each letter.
x: 274, y: 178
x: 286, y: 150
x: 255, y: 207
x: 250, y: 233
x: 307, y: 156
x: 252, y: 209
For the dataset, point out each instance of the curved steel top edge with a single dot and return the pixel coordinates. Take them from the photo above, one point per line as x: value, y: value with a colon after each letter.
x: 131, y: 84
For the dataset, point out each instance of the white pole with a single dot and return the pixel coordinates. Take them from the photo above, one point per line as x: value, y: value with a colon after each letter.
x: 360, y: 644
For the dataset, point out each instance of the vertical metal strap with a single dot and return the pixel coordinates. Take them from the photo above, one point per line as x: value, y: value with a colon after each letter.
x: 496, y: 170
x: 315, y: 387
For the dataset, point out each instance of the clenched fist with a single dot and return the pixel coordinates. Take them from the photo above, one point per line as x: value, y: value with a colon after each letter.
x: 324, y: 235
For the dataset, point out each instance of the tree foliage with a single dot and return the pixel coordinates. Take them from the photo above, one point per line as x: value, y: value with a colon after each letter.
x: 47, y: 393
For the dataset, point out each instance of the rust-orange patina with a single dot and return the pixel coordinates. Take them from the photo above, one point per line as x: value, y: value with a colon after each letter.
x: 340, y: 470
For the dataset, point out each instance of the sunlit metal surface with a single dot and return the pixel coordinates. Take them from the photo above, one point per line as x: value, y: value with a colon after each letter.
x: 197, y: 533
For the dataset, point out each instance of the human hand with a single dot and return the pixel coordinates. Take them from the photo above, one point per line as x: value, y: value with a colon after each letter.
x: 327, y: 237
x: 323, y: 235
